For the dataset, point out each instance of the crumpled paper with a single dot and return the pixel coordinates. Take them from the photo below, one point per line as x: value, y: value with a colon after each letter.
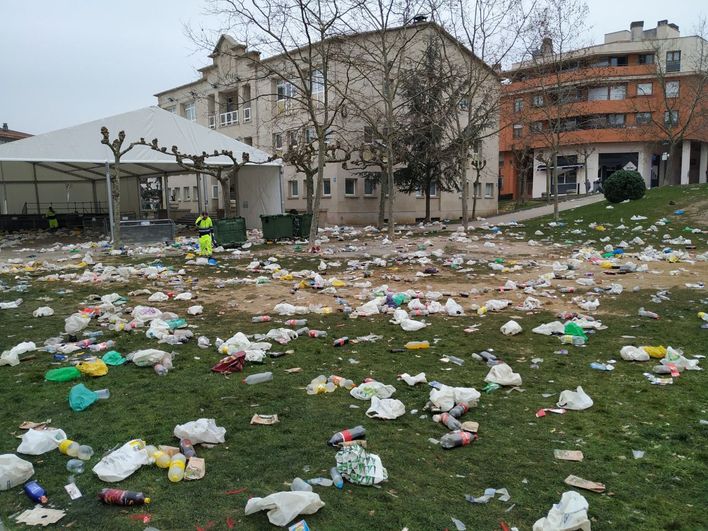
x: 356, y: 465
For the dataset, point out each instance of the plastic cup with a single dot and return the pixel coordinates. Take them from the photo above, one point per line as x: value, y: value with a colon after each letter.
x: 85, y: 452
x: 75, y: 466
x: 103, y: 394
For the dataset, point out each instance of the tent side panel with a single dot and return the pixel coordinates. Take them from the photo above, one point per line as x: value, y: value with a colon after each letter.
x: 259, y: 190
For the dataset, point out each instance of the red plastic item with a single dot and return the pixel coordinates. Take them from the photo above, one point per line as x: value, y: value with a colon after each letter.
x: 229, y: 364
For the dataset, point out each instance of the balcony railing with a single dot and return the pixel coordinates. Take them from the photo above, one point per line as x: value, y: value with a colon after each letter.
x: 228, y: 118
x: 673, y: 66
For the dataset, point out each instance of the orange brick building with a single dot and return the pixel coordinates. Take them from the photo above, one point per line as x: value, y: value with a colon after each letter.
x: 637, y: 101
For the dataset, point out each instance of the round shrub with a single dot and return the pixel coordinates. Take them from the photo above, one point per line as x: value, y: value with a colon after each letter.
x: 623, y: 185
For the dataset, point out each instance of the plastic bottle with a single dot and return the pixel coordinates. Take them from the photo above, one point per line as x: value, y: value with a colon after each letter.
x: 102, y: 394
x: 317, y: 333
x: 69, y: 447
x: 302, y: 331
x: 299, y: 484
x: 358, y: 432
x: 85, y: 343
x: 36, y: 492
x: 320, y: 385
x: 447, y: 420
x: 296, y: 322
x: 160, y: 369
x: 336, y: 477
x: 85, y: 452
x: 75, y: 466
x: 342, y: 382
x: 703, y: 316
x: 456, y: 438
x: 96, y: 347
x: 97, y: 333
x: 417, y: 345
x: 570, y: 289
x: 187, y: 448
x: 258, y: 378
x: 122, y: 497
x: 600, y: 366
x: 177, y: 464
x: 459, y: 410
x: 341, y: 341
x: 646, y: 313
x: 456, y: 360
x: 261, y: 319
x: 572, y: 340
x: 320, y: 482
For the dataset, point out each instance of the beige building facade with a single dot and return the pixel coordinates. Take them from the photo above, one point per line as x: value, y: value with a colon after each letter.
x: 234, y: 98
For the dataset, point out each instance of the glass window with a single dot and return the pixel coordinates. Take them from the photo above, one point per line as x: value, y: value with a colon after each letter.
x: 310, y: 135
x: 644, y: 89
x: 643, y: 118
x: 646, y: 59
x: 488, y: 190
x: 317, y: 85
x: 537, y: 127
x: 618, y: 61
x: 477, y: 189
x: 293, y: 190
x: 597, y: 93
x: 350, y: 187
x: 195, y: 193
x: 285, y: 91
x: 672, y: 89
x: 175, y: 194
x: 327, y: 187
x: 187, y: 197
x: 369, y: 186
x: 615, y: 120
x: 433, y: 189
x: 670, y: 118
x: 538, y: 100
x: 190, y: 112
x: 277, y: 140
x: 172, y: 109
x: 518, y: 129
x: 618, y: 92
x: 673, y: 61
x: 518, y: 105
x: 215, y: 191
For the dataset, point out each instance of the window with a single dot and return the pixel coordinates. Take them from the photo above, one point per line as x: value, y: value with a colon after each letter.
x: 317, y: 85
x: 537, y: 127
x: 215, y: 191
x: 174, y: 194
x: 670, y: 118
x: 518, y: 105
x: 644, y: 89
x: 538, y: 100
x: 369, y: 186
x: 597, y: 93
x: 293, y: 190
x: 464, y: 104
x: 569, y: 124
x: 618, y: 92
x: 190, y: 112
x: 195, y: 193
x: 350, y: 187
x: 326, y: 187
x: 672, y: 89
x: 285, y: 91
x: 277, y: 140
x: 643, y: 118
x: 186, y: 194
x: 673, y: 61
x: 248, y: 140
x: 488, y: 190
x: 172, y: 109
x: 310, y: 135
x: 646, y: 59
x: 368, y: 134
x: 477, y: 189
x: 518, y: 129
x: 615, y: 120
x: 618, y: 61
x: 291, y: 137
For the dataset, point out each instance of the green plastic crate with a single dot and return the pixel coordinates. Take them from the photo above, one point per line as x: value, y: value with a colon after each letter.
x: 277, y: 226
x: 230, y: 231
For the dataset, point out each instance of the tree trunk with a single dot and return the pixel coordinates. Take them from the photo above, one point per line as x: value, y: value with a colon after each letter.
x: 318, y: 192
x: 391, y: 191
x: 237, y: 195
x: 427, y: 202
x: 474, y: 196
x: 309, y: 192
x: 465, y: 195
x: 555, y: 192
x: 549, y: 177
x: 115, y: 196
x: 383, y: 186
x: 225, y: 183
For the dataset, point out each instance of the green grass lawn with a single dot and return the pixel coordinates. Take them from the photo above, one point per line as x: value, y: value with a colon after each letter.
x: 426, y: 486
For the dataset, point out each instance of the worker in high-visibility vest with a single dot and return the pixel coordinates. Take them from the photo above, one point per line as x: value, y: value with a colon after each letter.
x: 206, y: 229
x: 52, y: 219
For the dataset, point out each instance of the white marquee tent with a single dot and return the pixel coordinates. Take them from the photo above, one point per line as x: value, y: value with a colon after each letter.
x: 72, y: 164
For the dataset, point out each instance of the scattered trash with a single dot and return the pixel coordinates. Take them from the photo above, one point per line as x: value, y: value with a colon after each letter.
x: 576, y: 400
x: 489, y: 494
x: 568, y: 455
x: 358, y: 466
x: 283, y: 507
x: 265, y: 420
x: 569, y: 514
x: 575, y: 481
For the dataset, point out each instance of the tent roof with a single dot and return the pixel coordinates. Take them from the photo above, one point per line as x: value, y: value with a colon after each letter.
x: 77, y: 151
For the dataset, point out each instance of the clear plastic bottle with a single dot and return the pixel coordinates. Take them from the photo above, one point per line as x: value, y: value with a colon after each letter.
x: 261, y: 319
x: 160, y: 369
x: 75, y: 466
x: 456, y: 438
x: 96, y: 347
x: 258, y: 378
x: 647, y: 313
x: 85, y: 452
x: 302, y: 331
x: 336, y: 477
x: 296, y: 322
x: 320, y: 482
x: 341, y: 341
x: 447, y: 420
x: 102, y: 394
x: 417, y: 345
x: 299, y: 484
x: 342, y: 382
x: 317, y: 333
x: 459, y: 410
x: 69, y: 447
x: 177, y: 464
x: 576, y: 341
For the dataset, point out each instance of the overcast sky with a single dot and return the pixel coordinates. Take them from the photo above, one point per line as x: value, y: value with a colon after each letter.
x: 65, y: 62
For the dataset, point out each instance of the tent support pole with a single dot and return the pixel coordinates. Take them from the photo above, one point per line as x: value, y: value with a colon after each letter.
x: 36, y: 187
x: 4, y: 191
x: 96, y: 208
x: 140, y: 198
x: 166, y: 193
x: 199, y: 194
x: 110, y: 201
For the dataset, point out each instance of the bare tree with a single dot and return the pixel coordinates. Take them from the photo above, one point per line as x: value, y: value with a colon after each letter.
x: 299, y: 38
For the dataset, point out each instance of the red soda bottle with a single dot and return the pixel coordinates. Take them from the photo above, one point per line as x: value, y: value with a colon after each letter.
x: 457, y: 438
x: 317, y: 333
x: 187, y: 448
x: 260, y: 319
x: 296, y: 322
x: 459, y: 410
x: 122, y: 497
x: 447, y: 420
x: 352, y: 434
x: 341, y: 341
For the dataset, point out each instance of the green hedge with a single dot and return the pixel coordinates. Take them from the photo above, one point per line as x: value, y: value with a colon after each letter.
x: 622, y: 185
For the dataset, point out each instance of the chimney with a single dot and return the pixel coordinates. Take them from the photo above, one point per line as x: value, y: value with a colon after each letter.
x: 547, y: 46
x: 4, y: 126
x: 662, y: 23
x: 637, y: 30
x: 418, y: 19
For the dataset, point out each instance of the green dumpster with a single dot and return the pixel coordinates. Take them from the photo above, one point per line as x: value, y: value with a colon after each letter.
x: 231, y: 231
x: 302, y: 223
x: 277, y: 226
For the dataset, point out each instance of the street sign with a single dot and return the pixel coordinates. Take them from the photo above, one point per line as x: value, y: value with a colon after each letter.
x: 629, y: 166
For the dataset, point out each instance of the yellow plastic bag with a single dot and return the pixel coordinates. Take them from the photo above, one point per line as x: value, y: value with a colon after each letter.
x: 658, y: 352
x: 93, y: 368
x: 338, y: 283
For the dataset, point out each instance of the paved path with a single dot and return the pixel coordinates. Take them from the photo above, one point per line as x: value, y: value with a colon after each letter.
x: 537, y: 212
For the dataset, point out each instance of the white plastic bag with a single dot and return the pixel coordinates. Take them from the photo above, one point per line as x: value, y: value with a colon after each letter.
x: 11, y: 305
x: 453, y: 309
x: 12, y: 357
x: 158, y: 296
x: 121, y: 463
x: 547, y: 329
x: 283, y: 507
x: 14, y: 471
x: 43, y: 311
x: 411, y: 325
x: 388, y: 408
x: 413, y: 380
x: 289, y: 309
x: 195, y: 310
x: 570, y: 514
x: 630, y: 353
x: 186, y: 296
x: 368, y: 308
x: 576, y: 400
x: 676, y: 357
x: 201, y: 430
x: 147, y: 357
x: 75, y: 323
x: 502, y: 374
x: 367, y: 390
x: 511, y: 328
x: 38, y: 442
x: 496, y: 305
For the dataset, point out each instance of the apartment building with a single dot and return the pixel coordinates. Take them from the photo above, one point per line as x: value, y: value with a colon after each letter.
x: 232, y: 97
x: 8, y: 135
x: 638, y: 101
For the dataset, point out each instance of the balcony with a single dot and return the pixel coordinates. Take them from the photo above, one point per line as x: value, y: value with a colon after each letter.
x: 673, y: 66
x: 228, y: 118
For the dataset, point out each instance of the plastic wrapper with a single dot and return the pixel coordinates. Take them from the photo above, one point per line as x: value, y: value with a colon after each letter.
x: 201, y: 431
x: 283, y: 507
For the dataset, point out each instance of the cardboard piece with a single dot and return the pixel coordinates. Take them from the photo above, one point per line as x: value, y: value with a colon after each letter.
x: 195, y: 469
x: 568, y: 455
x: 470, y: 426
x: 293, y: 370
x: 580, y: 483
x: 169, y: 450
x: 40, y: 516
x: 265, y: 420
x: 29, y: 425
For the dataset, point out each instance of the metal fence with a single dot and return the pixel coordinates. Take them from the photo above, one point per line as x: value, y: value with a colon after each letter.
x: 147, y: 230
